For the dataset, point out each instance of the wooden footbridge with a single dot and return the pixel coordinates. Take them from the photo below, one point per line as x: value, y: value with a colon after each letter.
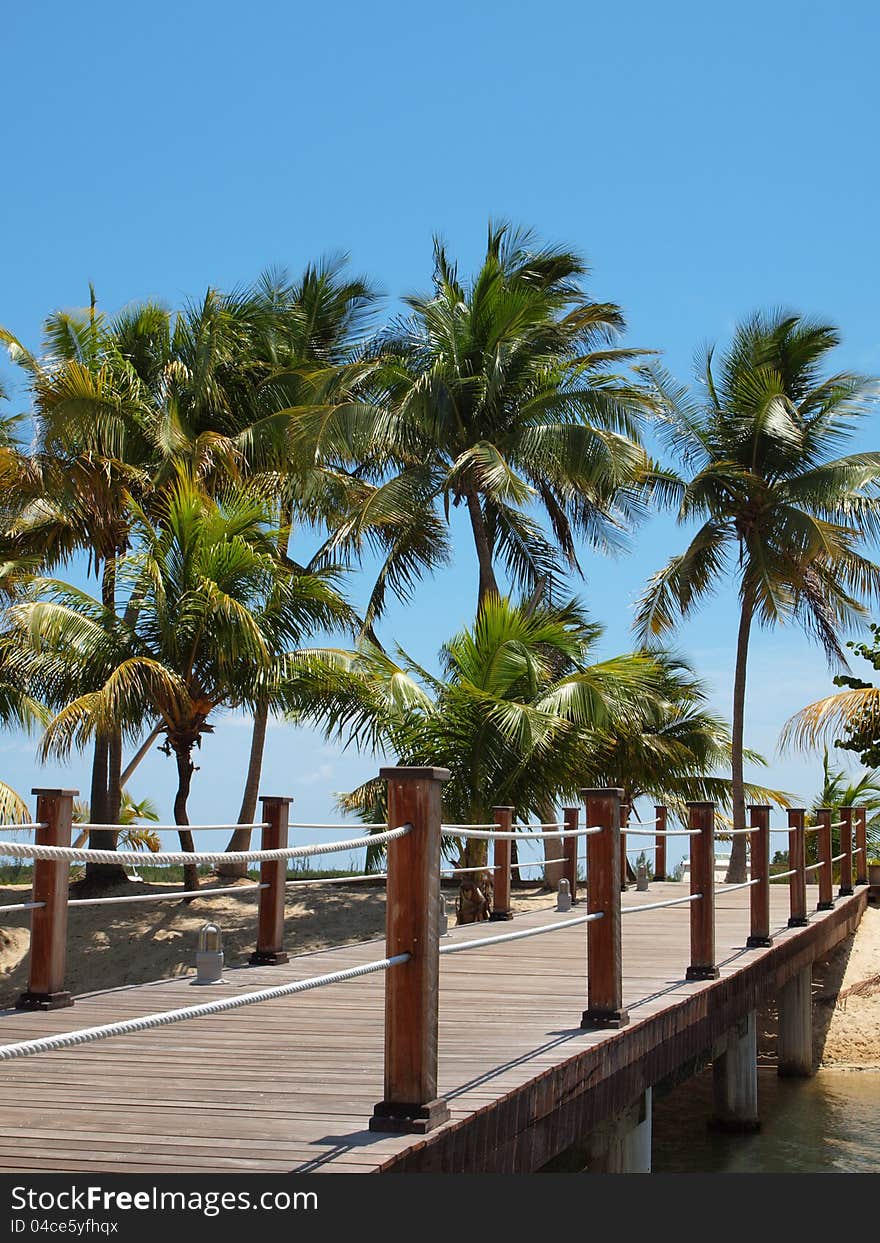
x: 495, y: 1047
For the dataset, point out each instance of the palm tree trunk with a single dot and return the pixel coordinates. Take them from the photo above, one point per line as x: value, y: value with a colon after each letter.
x: 106, y: 765
x: 488, y: 582
x: 241, y: 838
x: 736, y: 872
x: 185, y: 768
x: 552, y: 848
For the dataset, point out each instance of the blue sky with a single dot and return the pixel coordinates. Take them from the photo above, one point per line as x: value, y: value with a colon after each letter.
x: 708, y: 160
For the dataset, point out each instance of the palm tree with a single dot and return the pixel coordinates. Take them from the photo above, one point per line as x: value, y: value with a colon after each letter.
x: 777, y: 509
x: 216, y: 611
x: 840, y: 790
x: 510, y: 717
x: 498, y: 394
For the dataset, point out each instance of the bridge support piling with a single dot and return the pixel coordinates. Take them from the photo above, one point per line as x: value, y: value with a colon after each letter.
x: 660, y: 844
x: 622, y: 1145
x: 503, y: 817
x: 604, y: 960
x: 735, y: 1080
x: 797, y: 859
x: 273, y: 874
x: 759, y: 818
x: 825, y: 852
x: 570, y: 850
x: 48, y: 952
x: 410, y: 1104
x: 795, y: 1048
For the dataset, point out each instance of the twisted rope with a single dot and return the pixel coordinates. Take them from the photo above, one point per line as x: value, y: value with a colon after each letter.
x: 175, y: 828
x: 742, y: 885
x: 655, y: 906
x: 67, y: 1040
x: 175, y: 895
x: 458, y: 947
x: 451, y: 830
x: 661, y: 832
x: 23, y: 906
x: 74, y: 854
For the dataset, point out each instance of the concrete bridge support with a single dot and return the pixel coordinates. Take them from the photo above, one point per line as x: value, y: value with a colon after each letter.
x: 795, y: 1048
x: 735, y: 1076
x: 622, y: 1145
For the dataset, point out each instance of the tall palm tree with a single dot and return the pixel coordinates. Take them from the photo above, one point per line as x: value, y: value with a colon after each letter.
x: 778, y: 511
x: 499, y: 394
x: 215, y: 611
x: 511, y: 715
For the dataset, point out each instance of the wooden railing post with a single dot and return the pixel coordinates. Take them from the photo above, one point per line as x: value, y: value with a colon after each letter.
x: 503, y: 817
x: 861, y: 846
x: 48, y: 952
x: 625, y: 809
x: 702, y: 966
x: 846, y: 848
x: 273, y: 874
x: 660, y: 816
x: 797, y: 859
x: 570, y: 817
x: 759, y: 819
x: 825, y: 853
x: 604, y: 961
x: 410, y: 1103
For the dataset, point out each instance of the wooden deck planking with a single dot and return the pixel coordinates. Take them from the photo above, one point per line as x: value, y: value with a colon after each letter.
x: 290, y: 1084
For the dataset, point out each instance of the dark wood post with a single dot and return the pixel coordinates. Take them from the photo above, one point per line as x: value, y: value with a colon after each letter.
x: 846, y: 849
x: 861, y: 846
x: 503, y: 817
x: 625, y: 809
x: 759, y: 819
x: 797, y: 859
x: 412, y: 989
x: 604, y: 961
x: 660, y: 844
x: 702, y: 966
x: 48, y: 953
x: 825, y: 852
x: 570, y: 817
x: 273, y: 873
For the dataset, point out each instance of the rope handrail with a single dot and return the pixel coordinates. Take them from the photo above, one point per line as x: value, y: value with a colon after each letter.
x: 23, y: 906
x: 733, y: 832
x: 28, y: 828
x: 82, y: 855
x: 639, y: 824
x: 336, y: 827
x: 339, y: 880
x: 449, y: 830
x: 457, y: 827
x: 655, y: 906
x: 837, y: 858
x: 812, y: 828
x: 85, y: 1035
x: 782, y: 875
x: 662, y: 832
x: 837, y: 824
x: 456, y: 947
x: 556, y: 824
x: 176, y: 828
x: 538, y: 863
x: 813, y: 866
x: 635, y: 850
x: 743, y: 884
x: 164, y: 897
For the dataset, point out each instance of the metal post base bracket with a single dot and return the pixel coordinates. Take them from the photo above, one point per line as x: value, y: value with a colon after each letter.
x: 702, y: 973
x: 604, y: 1018
x: 44, y: 1001
x: 409, y: 1119
x: 759, y: 943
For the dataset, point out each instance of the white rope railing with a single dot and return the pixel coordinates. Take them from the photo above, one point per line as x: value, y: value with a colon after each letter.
x: 655, y: 906
x: 813, y: 866
x: 635, y: 850
x: 782, y: 875
x: 77, y: 855
x: 485, y: 836
x: 339, y: 880
x: 837, y: 824
x: 23, y: 906
x: 177, y: 828
x: 662, y: 832
x: 452, y: 830
x: 339, y: 828
x: 743, y: 884
x: 538, y: 863
x: 174, y: 895
x: 812, y: 828
x: 457, y: 947
x: 127, y: 1027
x: 733, y: 832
